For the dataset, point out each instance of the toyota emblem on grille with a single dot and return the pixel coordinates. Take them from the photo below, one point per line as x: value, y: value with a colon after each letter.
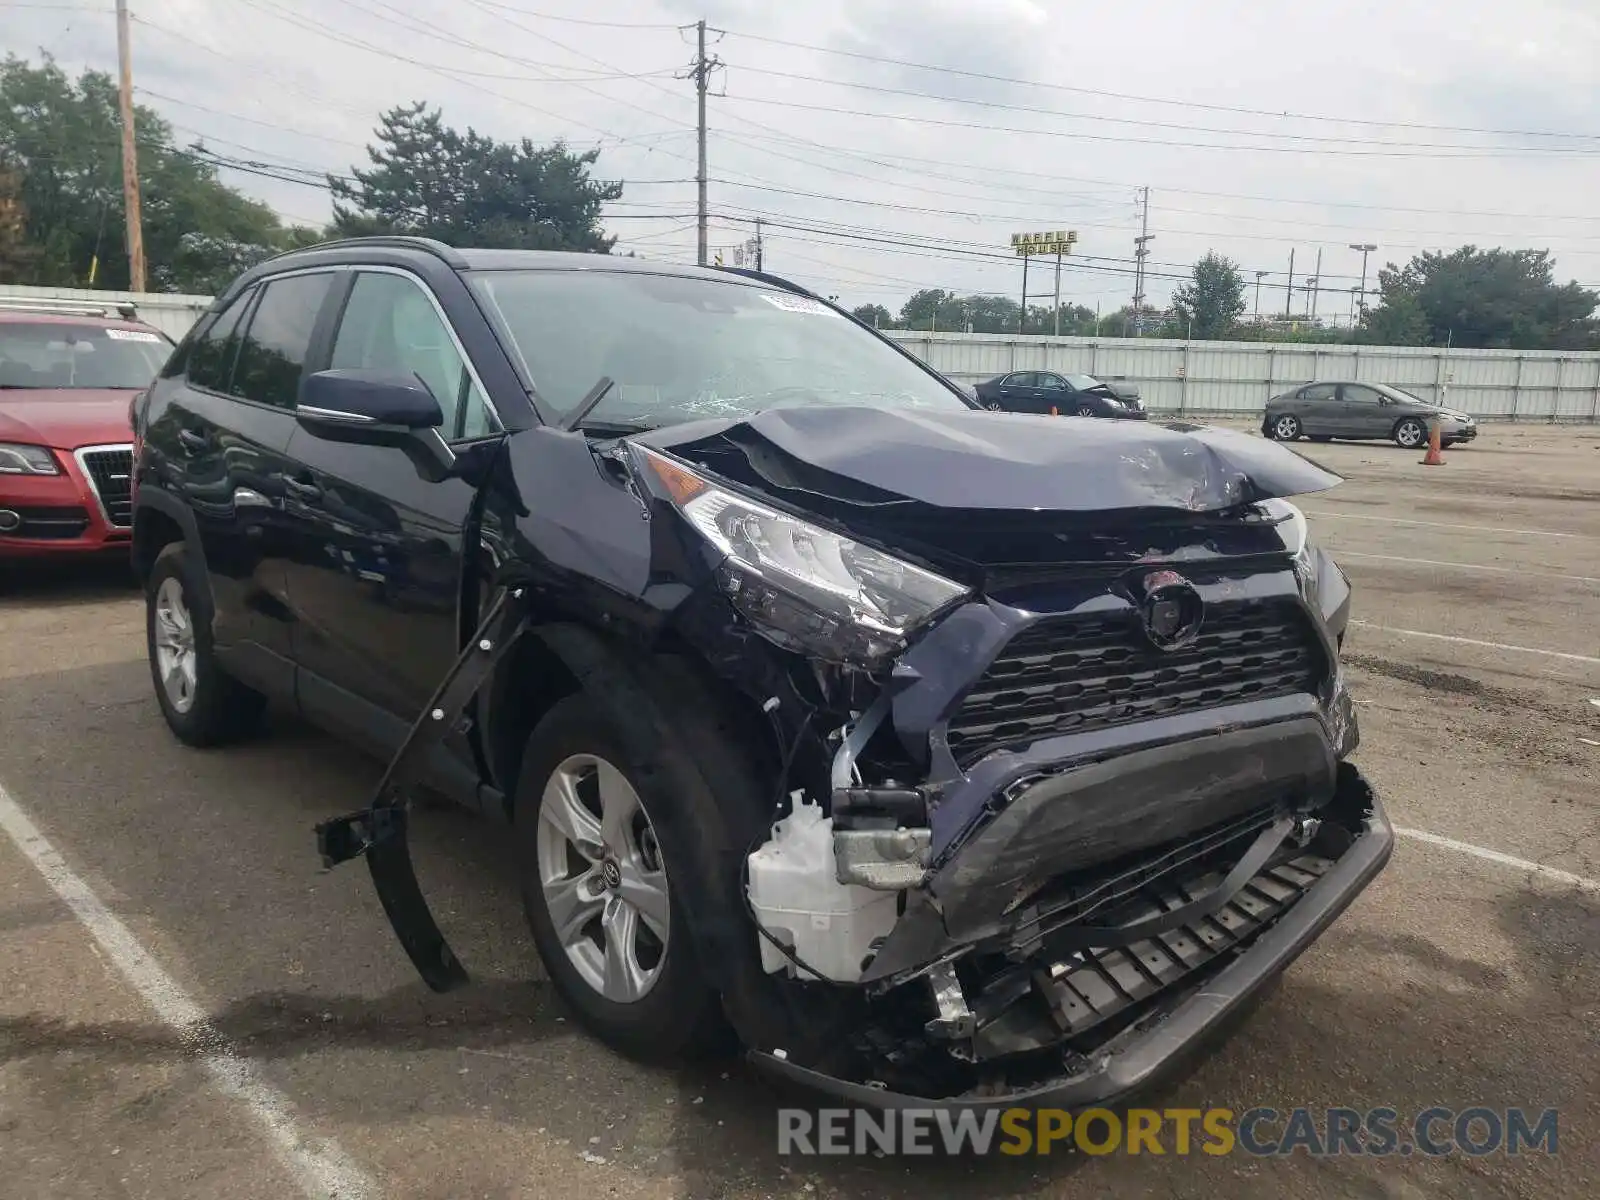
x: 1171, y: 610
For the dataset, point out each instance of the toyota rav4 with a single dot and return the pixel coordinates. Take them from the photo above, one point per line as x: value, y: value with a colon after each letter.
x: 944, y: 756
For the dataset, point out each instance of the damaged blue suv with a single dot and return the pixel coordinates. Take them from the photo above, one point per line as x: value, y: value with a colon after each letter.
x: 943, y: 756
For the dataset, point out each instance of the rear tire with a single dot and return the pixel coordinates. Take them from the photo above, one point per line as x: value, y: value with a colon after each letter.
x: 202, y: 704
x: 1410, y: 434
x: 1286, y: 427
x: 660, y: 1005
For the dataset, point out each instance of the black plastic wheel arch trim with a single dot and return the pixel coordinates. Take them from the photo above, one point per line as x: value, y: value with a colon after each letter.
x: 379, y: 831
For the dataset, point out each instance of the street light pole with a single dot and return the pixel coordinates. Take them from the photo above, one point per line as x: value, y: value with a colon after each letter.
x: 1366, y: 248
x: 1259, y: 275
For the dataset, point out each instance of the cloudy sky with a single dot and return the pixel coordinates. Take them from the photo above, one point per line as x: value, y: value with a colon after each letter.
x: 1259, y: 129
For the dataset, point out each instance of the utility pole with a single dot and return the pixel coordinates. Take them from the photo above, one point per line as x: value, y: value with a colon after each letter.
x: 1058, y: 291
x: 758, y: 244
x: 1259, y: 277
x: 1141, y: 251
x: 1316, y: 284
x: 701, y: 74
x: 1366, y: 248
x: 130, y: 155
x: 1022, y: 317
x: 1288, y: 291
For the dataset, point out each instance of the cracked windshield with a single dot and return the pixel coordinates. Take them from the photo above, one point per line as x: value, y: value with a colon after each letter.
x: 685, y: 349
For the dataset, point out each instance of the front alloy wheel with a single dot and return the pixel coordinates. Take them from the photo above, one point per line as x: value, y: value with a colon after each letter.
x: 1410, y: 433
x: 604, y: 883
x: 1286, y: 428
x: 1085, y: 411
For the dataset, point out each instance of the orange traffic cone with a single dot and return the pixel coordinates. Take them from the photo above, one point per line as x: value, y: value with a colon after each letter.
x: 1435, y: 455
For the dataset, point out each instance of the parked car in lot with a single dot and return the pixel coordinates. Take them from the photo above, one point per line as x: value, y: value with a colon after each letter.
x: 1323, y: 411
x: 1065, y: 394
x: 932, y: 750
x: 66, y: 378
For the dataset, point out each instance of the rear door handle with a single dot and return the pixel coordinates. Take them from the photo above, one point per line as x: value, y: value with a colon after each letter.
x: 192, y: 441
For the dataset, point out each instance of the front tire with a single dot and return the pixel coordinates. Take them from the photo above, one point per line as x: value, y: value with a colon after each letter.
x: 1410, y: 434
x: 1286, y: 427
x: 1085, y: 411
x: 597, y: 888
x: 202, y: 704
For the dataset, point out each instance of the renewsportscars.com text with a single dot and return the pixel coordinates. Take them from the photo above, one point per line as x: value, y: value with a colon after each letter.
x: 1260, y: 1132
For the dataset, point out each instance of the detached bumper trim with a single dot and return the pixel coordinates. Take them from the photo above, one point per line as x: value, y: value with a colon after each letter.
x: 1131, y: 1065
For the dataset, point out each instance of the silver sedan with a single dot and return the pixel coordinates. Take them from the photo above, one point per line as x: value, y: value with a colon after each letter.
x: 1323, y: 411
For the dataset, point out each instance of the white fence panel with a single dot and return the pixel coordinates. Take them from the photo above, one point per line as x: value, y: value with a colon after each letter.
x: 170, y: 313
x: 1214, y: 378
x: 1205, y: 378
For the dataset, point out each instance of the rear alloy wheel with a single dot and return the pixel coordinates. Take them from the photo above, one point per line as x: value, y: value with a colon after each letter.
x: 1286, y: 428
x: 596, y: 889
x: 1085, y: 411
x: 1410, y: 433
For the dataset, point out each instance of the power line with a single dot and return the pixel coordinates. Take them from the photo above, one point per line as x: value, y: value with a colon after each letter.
x: 1100, y: 118
x: 1477, y: 152
x: 1186, y: 104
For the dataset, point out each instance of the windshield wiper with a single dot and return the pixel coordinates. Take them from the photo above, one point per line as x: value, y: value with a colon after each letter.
x: 585, y: 406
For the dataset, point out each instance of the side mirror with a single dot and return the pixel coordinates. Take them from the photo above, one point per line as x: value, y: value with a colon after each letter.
x: 377, y: 408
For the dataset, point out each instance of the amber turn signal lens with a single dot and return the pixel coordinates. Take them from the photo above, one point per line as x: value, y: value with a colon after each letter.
x: 682, y: 484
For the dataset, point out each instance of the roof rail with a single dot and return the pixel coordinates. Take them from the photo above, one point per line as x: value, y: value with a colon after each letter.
x: 46, y: 306
x: 388, y: 240
x: 777, y: 281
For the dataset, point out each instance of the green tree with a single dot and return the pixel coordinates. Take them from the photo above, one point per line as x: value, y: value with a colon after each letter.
x: 469, y: 190
x: 1499, y: 299
x: 63, y: 139
x: 1211, y: 304
x: 875, y: 315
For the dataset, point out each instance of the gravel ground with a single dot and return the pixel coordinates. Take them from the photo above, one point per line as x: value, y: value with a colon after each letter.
x: 1456, y: 980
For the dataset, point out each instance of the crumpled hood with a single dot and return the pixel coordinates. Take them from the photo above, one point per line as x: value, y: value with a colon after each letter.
x: 975, y: 460
x: 65, y: 418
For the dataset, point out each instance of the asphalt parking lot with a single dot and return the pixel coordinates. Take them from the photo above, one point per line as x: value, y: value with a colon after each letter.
x: 1459, y: 979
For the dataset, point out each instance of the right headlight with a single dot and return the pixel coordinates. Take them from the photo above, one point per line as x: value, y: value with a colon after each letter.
x: 805, y: 587
x: 21, y: 459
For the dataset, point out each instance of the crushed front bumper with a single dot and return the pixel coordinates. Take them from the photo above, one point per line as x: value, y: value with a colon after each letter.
x: 1178, y: 1020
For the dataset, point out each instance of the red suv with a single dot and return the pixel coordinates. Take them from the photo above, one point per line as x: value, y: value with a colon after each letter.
x: 66, y: 443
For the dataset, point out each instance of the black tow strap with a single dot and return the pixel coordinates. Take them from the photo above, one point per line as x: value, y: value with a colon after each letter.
x: 379, y: 831
x: 1080, y: 937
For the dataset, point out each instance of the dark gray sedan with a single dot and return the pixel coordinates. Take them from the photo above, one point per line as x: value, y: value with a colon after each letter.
x: 1323, y: 411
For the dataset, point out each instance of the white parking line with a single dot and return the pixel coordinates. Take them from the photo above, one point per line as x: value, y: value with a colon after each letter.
x: 1339, y: 516
x: 1466, y: 641
x: 1505, y: 860
x: 319, y: 1165
x: 1463, y: 566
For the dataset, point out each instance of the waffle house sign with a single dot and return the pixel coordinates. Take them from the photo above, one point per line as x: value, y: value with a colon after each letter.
x: 1054, y: 241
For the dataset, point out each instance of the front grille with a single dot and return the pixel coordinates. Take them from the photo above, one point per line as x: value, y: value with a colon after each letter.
x: 110, y: 470
x: 1079, y: 673
x: 50, y: 524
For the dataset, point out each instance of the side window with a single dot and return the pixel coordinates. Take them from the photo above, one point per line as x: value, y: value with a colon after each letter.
x: 1318, y: 391
x: 390, y: 324
x: 1052, y: 383
x: 1356, y: 394
x: 211, y: 357
x: 1021, y: 379
x: 272, y: 352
